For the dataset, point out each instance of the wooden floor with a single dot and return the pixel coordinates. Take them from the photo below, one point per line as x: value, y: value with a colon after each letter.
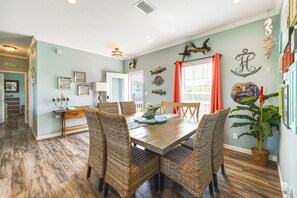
x: 57, y: 168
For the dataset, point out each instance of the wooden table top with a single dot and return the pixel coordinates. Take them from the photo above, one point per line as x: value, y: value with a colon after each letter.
x: 160, y: 138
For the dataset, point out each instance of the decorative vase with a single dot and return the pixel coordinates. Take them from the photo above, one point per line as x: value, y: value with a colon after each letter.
x: 150, y: 114
x: 260, y: 157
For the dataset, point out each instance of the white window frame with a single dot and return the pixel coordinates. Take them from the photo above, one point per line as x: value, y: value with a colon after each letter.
x: 191, y: 64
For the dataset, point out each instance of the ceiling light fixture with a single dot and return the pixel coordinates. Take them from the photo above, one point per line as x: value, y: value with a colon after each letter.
x: 116, y: 53
x: 9, y: 48
x: 72, y: 1
x: 236, y: 1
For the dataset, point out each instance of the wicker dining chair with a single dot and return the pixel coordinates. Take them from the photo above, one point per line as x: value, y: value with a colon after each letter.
x: 127, y: 167
x: 217, y: 145
x: 192, y: 169
x: 188, y: 110
x: 128, y: 108
x: 97, y: 146
x: 110, y: 107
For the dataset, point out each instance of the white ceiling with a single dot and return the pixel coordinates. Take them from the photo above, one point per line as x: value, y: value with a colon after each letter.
x: 100, y: 25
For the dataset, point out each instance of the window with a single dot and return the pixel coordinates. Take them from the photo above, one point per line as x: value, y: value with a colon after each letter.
x: 196, y: 84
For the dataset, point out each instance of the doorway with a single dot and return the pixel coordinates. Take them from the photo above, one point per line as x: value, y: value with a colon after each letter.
x: 13, y: 95
x: 136, y: 89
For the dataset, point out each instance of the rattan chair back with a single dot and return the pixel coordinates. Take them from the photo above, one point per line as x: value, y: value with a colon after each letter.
x: 218, y: 140
x: 110, y: 107
x: 128, y: 108
x: 97, y: 146
x: 203, y: 147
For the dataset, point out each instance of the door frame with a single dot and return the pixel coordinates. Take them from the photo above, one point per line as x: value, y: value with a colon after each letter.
x: 25, y: 91
x: 109, y: 76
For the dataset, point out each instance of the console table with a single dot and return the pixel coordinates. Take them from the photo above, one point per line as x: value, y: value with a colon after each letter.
x: 71, y: 114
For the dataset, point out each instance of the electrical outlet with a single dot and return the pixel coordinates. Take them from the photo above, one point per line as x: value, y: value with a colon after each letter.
x: 235, y: 136
x: 146, y: 93
x: 58, y: 116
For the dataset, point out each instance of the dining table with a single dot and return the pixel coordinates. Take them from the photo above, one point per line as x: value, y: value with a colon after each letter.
x: 161, y: 138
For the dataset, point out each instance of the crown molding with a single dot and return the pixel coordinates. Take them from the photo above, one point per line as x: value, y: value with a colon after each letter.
x: 13, y: 56
x: 214, y: 31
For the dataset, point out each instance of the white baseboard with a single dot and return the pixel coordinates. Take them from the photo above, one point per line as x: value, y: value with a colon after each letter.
x: 42, y: 137
x: 33, y: 132
x: 246, y: 151
x: 280, y: 177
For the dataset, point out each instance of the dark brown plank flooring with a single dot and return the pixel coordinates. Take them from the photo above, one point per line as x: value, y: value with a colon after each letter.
x: 57, y: 168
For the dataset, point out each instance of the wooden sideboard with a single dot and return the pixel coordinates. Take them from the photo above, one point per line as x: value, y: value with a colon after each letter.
x: 71, y: 114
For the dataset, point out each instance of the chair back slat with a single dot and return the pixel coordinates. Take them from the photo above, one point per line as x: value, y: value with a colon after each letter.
x: 189, y: 111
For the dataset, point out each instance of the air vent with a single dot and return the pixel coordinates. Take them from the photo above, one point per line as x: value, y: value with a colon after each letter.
x: 145, y: 6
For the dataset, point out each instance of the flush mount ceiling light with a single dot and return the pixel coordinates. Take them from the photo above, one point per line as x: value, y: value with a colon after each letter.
x: 72, y: 1
x: 116, y: 53
x: 145, y: 6
x: 236, y: 1
x: 9, y: 48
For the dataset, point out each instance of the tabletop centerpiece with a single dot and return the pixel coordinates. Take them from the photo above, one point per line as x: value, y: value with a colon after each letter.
x: 150, y: 111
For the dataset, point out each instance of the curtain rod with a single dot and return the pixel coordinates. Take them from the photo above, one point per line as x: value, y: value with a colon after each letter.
x: 199, y: 59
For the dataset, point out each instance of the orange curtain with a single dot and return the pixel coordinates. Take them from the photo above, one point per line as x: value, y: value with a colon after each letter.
x: 216, y: 92
x: 177, y: 82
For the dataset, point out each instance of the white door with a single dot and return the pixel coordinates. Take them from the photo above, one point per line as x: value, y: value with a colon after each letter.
x: 117, y: 87
x: 136, y: 89
x: 2, y: 116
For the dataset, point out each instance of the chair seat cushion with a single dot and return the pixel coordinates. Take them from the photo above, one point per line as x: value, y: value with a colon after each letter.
x: 189, y: 144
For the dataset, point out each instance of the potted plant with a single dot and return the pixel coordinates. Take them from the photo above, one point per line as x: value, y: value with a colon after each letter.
x: 260, y: 119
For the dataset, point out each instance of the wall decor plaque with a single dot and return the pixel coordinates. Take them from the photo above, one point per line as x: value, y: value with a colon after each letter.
x: 80, y: 76
x: 244, y: 68
x: 243, y: 90
x: 64, y: 83
x: 158, y: 81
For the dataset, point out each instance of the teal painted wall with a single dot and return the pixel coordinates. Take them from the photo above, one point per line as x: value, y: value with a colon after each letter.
x: 50, y: 66
x: 20, y: 78
x: 229, y: 43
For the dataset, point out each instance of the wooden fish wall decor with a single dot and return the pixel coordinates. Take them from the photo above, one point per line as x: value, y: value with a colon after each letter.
x: 132, y: 64
x: 158, y: 81
x: 158, y: 70
x: 159, y: 91
x: 203, y: 49
x: 187, y: 52
x: 268, y: 40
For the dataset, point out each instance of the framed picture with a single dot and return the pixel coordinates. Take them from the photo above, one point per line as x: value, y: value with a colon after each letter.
x: 80, y: 76
x: 292, y: 97
x: 83, y: 90
x: 11, y: 86
x: 285, y: 104
x: 64, y: 83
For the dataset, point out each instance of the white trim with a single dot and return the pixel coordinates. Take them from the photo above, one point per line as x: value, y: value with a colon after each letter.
x: 42, y: 137
x: 33, y: 132
x: 246, y: 151
x: 213, y: 31
x: 280, y: 177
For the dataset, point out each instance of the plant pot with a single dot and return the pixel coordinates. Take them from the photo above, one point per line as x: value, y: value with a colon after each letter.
x: 260, y: 157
